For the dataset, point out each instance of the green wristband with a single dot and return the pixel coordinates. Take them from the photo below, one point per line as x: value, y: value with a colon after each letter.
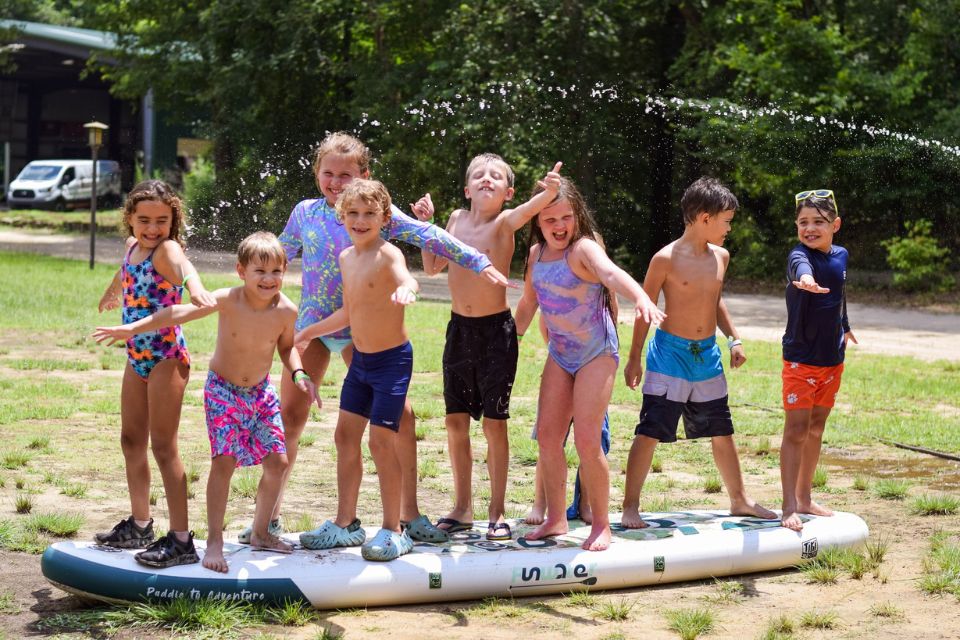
x: 298, y: 375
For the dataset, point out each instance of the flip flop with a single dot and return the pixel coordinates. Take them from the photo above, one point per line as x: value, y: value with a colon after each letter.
x: 492, y: 534
x: 421, y: 529
x: 454, y: 525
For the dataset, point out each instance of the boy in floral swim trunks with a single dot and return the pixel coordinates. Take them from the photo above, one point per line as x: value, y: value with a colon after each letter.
x: 242, y: 406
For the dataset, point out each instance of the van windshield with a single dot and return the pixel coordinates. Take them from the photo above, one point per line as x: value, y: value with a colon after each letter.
x: 40, y: 172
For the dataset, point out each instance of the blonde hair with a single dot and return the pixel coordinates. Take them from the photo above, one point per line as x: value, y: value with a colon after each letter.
x: 371, y: 192
x: 342, y: 144
x: 262, y: 245
x: 157, y: 191
x: 485, y: 158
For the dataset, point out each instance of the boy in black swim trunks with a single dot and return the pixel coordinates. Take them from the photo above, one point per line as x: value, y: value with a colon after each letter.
x: 480, y: 357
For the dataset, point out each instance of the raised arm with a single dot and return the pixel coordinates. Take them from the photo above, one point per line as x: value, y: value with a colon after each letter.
x: 528, y: 304
x: 652, y: 284
x: 432, y: 263
x: 616, y: 279
x: 522, y: 214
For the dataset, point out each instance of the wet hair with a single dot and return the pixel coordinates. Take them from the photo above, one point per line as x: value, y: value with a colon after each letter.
x: 157, y: 191
x: 263, y: 246
x: 706, y: 195
x: 585, y: 227
x: 486, y: 158
x: 342, y: 144
x: 371, y: 192
x: 826, y: 207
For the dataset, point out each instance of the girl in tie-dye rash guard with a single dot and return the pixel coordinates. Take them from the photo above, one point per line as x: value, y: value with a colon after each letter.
x: 314, y: 233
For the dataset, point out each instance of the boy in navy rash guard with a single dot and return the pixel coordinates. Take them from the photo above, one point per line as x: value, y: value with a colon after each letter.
x: 814, y: 345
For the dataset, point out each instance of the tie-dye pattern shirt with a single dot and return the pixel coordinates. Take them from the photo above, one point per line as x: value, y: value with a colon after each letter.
x: 314, y: 233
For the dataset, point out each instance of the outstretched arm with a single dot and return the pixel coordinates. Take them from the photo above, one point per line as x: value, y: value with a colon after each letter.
x: 166, y: 317
x: 337, y: 320
x: 170, y: 258
x: 521, y: 215
x: 432, y: 263
x: 617, y: 280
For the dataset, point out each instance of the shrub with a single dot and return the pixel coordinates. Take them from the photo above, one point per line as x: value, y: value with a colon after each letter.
x: 919, y: 263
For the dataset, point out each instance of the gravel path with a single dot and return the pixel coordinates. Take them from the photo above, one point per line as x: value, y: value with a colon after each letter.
x: 884, y: 330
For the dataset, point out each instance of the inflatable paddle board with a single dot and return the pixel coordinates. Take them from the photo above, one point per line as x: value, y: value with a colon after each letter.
x: 679, y: 546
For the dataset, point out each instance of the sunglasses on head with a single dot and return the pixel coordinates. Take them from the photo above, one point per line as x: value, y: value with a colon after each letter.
x: 826, y: 194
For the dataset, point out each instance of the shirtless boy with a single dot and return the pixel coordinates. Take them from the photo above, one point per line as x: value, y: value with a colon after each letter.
x: 376, y: 287
x: 684, y: 368
x: 242, y: 406
x: 480, y: 356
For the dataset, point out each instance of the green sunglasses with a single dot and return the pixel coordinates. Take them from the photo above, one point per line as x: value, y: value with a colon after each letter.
x: 817, y: 193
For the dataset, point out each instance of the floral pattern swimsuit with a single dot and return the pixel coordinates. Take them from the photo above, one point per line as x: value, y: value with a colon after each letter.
x: 145, y: 292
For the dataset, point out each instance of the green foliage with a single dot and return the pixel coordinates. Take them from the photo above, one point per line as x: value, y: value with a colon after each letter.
x: 917, y: 259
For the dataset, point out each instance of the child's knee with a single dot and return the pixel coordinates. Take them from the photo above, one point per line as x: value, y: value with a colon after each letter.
x: 276, y: 464
x: 165, y: 452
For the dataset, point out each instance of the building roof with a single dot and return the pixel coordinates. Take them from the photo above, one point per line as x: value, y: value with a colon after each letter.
x: 70, y: 41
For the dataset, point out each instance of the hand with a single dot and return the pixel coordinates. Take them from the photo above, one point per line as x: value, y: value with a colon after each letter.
x: 737, y: 356
x: 493, y: 276
x: 633, y: 372
x: 650, y: 313
x: 109, y: 301
x: 423, y: 208
x: 848, y: 337
x: 551, y: 181
x: 202, y: 298
x: 807, y: 283
x: 113, y: 334
x: 302, y: 338
x: 404, y: 295
x: 306, y: 385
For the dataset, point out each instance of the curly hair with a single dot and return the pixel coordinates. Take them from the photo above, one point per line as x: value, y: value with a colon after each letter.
x: 157, y: 191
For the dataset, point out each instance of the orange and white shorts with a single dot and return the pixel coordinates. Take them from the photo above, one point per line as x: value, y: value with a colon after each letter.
x: 806, y: 386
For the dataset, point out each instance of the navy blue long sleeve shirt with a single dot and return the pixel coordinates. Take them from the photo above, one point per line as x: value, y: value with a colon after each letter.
x: 816, y: 322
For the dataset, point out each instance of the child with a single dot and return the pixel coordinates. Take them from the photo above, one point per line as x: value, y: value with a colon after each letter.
x: 153, y: 276
x: 568, y: 275
x: 243, y: 411
x: 376, y: 287
x: 314, y: 232
x: 813, y: 348
x: 480, y: 355
x: 684, y: 368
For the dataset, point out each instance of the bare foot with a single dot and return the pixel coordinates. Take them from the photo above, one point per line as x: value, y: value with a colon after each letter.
x: 213, y: 557
x: 791, y: 520
x: 585, y: 513
x: 814, y: 509
x: 631, y: 519
x: 270, y: 543
x: 599, y: 538
x: 749, y: 507
x: 548, y: 529
x: 535, y: 516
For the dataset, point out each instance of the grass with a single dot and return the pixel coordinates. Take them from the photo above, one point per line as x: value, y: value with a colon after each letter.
x: 9, y: 604
x: 886, y: 610
x: 307, y: 440
x: 15, y: 459
x: 108, y: 220
x: 614, y: 610
x: 62, y: 525
x: 891, y: 489
x: 726, y: 592
x: 941, y: 566
x: 712, y: 484
x: 819, y: 478
x: 819, y: 619
x: 690, y: 623
x: 244, y: 483
x: 778, y: 628
x: 39, y: 442
x: 831, y: 563
x: 935, y: 505
x: 23, y: 504
x: 860, y: 483
x: 74, y: 490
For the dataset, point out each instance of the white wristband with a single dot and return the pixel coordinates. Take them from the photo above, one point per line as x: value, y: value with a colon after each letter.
x: 731, y: 342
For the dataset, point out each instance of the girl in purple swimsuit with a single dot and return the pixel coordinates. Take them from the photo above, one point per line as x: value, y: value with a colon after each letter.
x: 154, y: 274
x: 567, y: 276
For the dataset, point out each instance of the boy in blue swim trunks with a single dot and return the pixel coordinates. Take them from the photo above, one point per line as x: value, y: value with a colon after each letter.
x: 376, y: 287
x: 684, y: 369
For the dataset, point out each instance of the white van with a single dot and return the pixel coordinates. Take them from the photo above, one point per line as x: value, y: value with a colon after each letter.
x: 61, y: 183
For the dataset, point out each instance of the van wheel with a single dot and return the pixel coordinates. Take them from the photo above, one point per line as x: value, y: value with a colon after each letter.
x: 59, y: 204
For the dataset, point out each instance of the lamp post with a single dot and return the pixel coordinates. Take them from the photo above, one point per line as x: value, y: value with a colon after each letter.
x: 95, y: 130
